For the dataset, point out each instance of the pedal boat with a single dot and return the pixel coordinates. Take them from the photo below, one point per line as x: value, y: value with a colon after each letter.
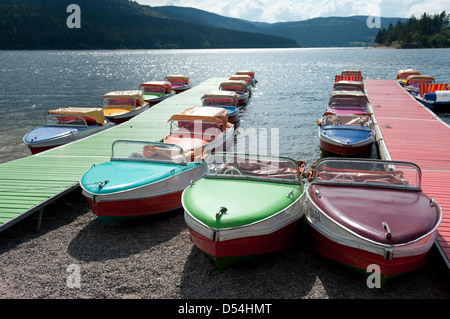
x: 412, y: 85
x: 65, y: 125
x: 371, y: 212
x: 243, y: 206
x: 348, y: 102
x: 120, y: 106
x: 180, y: 83
x: 240, y: 87
x: 249, y: 73
x: 224, y: 99
x: 243, y: 77
x: 347, y: 135
x: 349, y: 86
x: 156, y: 91
x: 402, y: 75
x: 200, y: 130
x: 141, y: 179
x: 437, y: 101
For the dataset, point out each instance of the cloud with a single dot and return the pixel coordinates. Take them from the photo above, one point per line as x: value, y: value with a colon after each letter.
x: 295, y: 10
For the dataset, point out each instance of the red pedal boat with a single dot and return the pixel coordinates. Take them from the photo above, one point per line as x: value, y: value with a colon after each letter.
x: 371, y: 212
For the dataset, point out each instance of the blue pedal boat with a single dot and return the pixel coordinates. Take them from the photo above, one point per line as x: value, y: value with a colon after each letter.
x: 141, y: 179
x: 348, y: 135
x: 224, y: 99
x: 65, y: 125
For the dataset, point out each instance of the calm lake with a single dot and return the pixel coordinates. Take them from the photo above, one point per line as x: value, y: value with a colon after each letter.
x: 292, y: 93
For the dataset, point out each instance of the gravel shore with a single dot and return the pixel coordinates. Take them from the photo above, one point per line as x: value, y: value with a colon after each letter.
x: 154, y: 259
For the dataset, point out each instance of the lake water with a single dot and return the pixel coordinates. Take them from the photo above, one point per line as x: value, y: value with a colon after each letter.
x: 292, y: 93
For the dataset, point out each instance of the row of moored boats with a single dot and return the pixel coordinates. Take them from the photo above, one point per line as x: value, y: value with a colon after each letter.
x: 356, y: 206
x: 241, y: 205
x: 435, y: 96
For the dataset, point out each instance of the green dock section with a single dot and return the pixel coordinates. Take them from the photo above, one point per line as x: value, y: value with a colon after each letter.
x: 27, y: 185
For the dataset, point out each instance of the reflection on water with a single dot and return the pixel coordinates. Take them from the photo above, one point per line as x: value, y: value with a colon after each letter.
x: 292, y: 93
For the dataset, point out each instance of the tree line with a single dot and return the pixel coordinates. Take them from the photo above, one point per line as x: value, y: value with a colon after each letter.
x: 428, y: 31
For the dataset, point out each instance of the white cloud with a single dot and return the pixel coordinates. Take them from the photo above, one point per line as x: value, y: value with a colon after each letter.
x: 295, y: 10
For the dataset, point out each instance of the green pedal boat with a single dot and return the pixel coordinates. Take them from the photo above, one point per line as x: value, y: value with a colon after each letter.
x: 244, y: 205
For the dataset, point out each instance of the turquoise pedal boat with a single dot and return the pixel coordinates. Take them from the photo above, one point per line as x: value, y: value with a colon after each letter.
x: 142, y: 178
x: 243, y: 206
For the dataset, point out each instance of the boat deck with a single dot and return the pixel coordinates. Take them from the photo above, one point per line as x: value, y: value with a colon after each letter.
x: 408, y: 131
x: 28, y: 184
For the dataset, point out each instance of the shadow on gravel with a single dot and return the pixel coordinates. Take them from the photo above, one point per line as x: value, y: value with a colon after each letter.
x: 300, y: 272
x: 100, y: 242
x: 56, y: 214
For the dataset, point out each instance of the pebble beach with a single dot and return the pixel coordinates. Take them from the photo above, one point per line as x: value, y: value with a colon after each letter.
x: 154, y: 259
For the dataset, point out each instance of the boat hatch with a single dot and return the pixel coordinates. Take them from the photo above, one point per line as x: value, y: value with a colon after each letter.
x: 123, y: 150
x: 368, y: 173
x: 252, y: 167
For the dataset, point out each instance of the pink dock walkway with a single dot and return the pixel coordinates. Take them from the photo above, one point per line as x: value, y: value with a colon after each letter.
x: 408, y: 131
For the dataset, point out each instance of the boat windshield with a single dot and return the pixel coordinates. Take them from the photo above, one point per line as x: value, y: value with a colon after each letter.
x: 368, y: 173
x: 219, y: 102
x: 363, y: 122
x: 147, y: 152
x: 152, y: 89
x: 252, y: 167
x: 112, y: 102
x: 66, y: 120
x: 235, y: 88
x: 178, y: 81
x: 342, y: 102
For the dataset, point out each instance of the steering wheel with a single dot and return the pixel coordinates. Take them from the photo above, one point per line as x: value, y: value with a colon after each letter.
x: 343, y: 176
x: 232, y: 169
x: 136, y: 155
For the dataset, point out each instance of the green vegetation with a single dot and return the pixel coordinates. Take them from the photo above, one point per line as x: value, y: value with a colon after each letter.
x: 114, y: 24
x: 426, y: 32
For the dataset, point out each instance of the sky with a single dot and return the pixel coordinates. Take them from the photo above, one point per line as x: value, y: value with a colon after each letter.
x: 296, y: 10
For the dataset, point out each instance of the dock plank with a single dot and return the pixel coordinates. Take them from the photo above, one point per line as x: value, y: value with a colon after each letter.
x: 408, y: 131
x: 29, y: 184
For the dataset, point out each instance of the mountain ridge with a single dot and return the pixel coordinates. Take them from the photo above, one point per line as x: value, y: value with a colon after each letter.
x: 123, y: 24
x: 315, y: 32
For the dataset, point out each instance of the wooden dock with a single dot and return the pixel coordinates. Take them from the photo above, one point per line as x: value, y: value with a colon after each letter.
x: 28, y: 184
x: 408, y: 131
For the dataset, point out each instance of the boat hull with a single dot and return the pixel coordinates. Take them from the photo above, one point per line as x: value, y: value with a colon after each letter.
x: 261, y: 227
x: 361, y: 260
x: 358, y: 246
x: 435, y: 106
x: 243, y: 99
x: 357, y: 148
x: 180, y: 89
x: 122, y: 206
x: 125, y: 116
x: 229, y: 252
x: 121, y: 212
x: 61, y: 138
x: 153, y: 99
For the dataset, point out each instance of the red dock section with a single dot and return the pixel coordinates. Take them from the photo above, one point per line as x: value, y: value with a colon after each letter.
x: 408, y: 131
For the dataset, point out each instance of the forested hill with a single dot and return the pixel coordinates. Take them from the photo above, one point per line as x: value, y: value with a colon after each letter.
x: 114, y: 24
x: 426, y: 32
x: 316, y: 32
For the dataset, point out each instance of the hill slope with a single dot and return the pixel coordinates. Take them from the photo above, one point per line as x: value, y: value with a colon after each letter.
x: 114, y: 24
x: 317, y: 32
